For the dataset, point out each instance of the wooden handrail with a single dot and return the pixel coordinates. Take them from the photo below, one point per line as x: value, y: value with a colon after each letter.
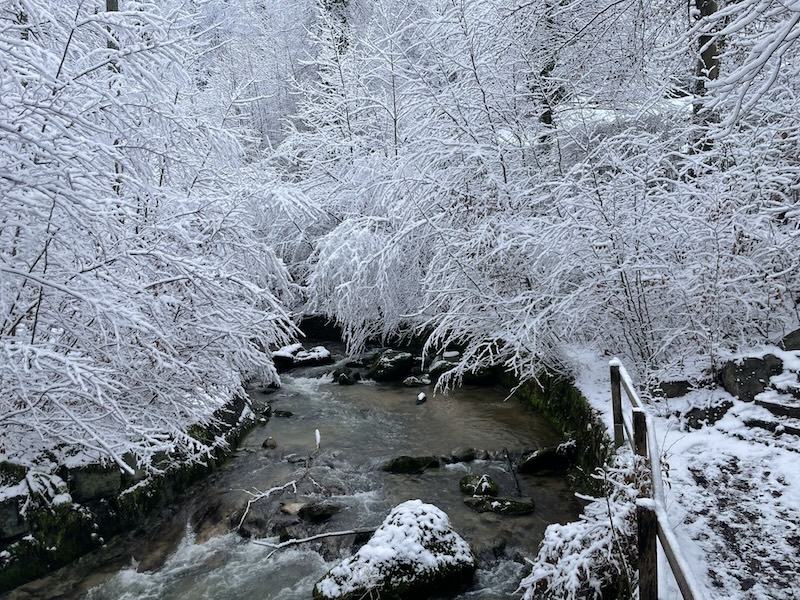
x: 651, y: 512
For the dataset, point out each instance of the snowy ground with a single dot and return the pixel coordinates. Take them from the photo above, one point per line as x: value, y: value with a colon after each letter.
x: 733, y: 492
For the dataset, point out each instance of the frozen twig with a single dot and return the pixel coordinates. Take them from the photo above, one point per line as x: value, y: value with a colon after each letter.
x: 255, y: 497
x: 311, y: 538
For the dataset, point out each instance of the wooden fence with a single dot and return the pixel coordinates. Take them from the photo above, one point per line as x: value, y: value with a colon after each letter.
x: 653, y: 525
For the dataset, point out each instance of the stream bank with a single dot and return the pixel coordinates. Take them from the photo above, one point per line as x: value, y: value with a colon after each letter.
x: 55, y: 518
x: 377, y: 421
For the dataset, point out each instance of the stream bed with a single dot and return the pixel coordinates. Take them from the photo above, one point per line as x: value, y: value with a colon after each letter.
x: 200, y: 549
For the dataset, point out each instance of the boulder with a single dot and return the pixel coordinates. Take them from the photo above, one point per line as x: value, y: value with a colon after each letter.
x: 411, y: 464
x: 462, y: 455
x: 439, y: 367
x: 748, y: 377
x: 318, y: 513
x: 417, y: 381
x: 283, y: 358
x: 318, y: 355
x: 501, y: 506
x: 708, y: 415
x: 549, y: 461
x: 478, y: 485
x: 391, y: 365
x: 413, y: 554
x: 345, y: 376
x: 791, y: 341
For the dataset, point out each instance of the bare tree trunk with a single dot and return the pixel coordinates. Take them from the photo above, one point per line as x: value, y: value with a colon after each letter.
x: 111, y: 44
x: 707, y: 68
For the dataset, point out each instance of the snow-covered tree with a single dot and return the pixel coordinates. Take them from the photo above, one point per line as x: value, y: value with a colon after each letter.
x: 473, y: 218
x: 134, y: 295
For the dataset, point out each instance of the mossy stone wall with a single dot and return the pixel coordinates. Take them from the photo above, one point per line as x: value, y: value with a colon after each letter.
x: 52, y: 536
x: 570, y: 414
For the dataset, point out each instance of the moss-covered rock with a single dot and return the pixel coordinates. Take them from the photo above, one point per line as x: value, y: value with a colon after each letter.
x: 59, y: 534
x: 391, y: 365
x: 478, y: 485
x: 501, y: 506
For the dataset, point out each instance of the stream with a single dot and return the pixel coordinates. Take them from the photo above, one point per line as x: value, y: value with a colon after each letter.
x: 193, y: 550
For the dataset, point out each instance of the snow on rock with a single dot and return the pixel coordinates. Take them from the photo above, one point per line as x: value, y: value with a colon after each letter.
x: 318, y: 355
x: 391, y: 365
x: 283, y: 358
x: 414, y: 552
x: 295, y: 355
x: 288, y: 351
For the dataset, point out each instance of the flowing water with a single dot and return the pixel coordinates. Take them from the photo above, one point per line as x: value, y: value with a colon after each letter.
x: 194, y: 551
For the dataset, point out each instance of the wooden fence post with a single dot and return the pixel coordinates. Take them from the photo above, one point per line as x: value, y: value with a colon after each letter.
x: 648, y: 548
x: 616, y: 406
x: 639, y: 432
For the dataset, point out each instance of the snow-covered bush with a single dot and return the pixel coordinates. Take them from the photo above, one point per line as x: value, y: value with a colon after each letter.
x: 595, y: 556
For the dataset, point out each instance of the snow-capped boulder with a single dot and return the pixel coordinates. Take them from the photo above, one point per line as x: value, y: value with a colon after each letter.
x: 479, y: 485
x: 391, y: 365
x: 283, y: 358
x: 439, y: 367
x: 414, y: 553
x: 295, y: 355
x: 318, y: 355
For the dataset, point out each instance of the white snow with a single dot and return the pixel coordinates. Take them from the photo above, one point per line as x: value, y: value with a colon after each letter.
x: 732, y: 493
x: 288, y: 351
x: 316, y: 353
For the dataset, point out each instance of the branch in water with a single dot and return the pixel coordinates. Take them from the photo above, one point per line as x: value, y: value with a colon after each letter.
x: 259, y: 495
x: 319, y: 536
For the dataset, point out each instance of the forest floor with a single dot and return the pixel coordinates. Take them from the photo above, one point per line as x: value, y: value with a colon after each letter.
x: 733, y: 491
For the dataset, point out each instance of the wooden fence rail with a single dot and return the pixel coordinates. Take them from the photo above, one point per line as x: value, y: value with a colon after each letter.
x: 653, y: 525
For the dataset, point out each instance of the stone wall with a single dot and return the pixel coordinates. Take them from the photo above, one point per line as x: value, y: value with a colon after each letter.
x: 570, y: 414
x: 39, y: 534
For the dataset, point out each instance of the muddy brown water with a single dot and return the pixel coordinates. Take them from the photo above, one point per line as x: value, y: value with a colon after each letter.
x: 193, y: 551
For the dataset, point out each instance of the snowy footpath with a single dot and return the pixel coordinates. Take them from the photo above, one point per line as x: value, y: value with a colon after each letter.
x: 733, y: 491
